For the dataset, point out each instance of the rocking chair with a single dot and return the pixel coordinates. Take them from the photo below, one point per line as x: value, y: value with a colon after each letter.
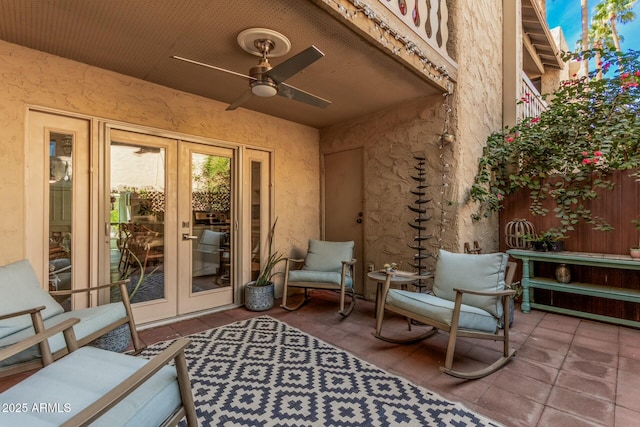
x: 328, y: 265
x: 468, y: 299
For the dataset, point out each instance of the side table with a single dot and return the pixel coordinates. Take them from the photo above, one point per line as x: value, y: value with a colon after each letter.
x: 402, y: 278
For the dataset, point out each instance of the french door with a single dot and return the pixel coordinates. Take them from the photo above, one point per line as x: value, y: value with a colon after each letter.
x: 171, y: 223
x: 184, y: 221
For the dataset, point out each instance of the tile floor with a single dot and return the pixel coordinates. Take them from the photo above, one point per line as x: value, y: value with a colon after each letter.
x: 566, y: 372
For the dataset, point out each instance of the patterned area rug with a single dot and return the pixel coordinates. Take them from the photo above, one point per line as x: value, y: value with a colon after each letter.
x: 263, y: 372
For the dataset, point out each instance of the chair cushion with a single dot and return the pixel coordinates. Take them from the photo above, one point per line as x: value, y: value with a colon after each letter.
x: 318, y: 277
x: 21, y: 290
x: 72, y: 383
x: 483, y: 272
x: 441, y: 310
x: 328, y: 256
x: 91, y: 320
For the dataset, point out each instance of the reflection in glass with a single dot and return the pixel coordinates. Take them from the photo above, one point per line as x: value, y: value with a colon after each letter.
x: 137, y: 204
x: 255, y: 219
x: 211, y: 211
x: 60, y: 214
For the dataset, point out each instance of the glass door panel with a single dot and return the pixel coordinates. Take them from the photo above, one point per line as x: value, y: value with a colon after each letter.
x: 206, y: 213
x: 141, y: 227
x: 58, y: 201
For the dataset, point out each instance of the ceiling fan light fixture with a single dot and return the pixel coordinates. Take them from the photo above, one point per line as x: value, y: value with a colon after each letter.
x: 264, y: 89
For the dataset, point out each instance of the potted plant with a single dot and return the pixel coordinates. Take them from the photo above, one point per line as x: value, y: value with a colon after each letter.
x: 259, y: 293
x: 550, y: 240
x: 634, y: 251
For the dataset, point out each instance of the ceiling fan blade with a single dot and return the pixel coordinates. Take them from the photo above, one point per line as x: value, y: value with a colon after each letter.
x: 213, y: 67
x: 302, y: 96
x: 240, y: 100
x: 295, y: 64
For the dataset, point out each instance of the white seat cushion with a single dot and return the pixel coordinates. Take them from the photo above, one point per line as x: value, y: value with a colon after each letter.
x: 72, y: 383
x: 308, y: 276
x: 441, y: 310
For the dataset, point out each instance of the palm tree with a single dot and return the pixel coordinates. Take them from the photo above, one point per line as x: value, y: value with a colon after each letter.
x: 615, y: 11
x: 584, y: 6
x: 600, y: 38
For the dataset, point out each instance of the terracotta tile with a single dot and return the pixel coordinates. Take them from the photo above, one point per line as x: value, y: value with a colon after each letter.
x: 190, y: 326
x: 587, y: 384
x: 578, y: 352
x: 560, y: 323
x: 553, y: 417
x: 582, y: 405
x: 551, y: 335
x: 626, y: 417
x: 161, y: 333
x: 531, y: 369
x: 531, y: 351
x: 511, y: 405
x: 551, y: 344
x: 524, y: 386
x: 629, y: 350
x: 601, y: 332
x: 595, y: 344
x: 590, y: 368
x: 627, y: 392
x: 629, y: 365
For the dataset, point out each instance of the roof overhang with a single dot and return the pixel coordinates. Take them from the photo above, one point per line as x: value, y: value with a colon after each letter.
x: 537, y: 39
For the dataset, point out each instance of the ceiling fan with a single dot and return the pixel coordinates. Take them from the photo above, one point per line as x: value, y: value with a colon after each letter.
x: 264, y: 80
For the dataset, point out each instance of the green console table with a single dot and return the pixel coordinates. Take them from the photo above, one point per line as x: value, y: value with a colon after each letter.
x: 530, y: 281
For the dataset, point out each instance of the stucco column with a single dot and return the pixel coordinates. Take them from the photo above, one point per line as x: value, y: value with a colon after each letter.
x: 511, y: 59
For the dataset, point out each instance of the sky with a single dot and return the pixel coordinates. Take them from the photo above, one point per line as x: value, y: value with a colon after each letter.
x: 566, y: 14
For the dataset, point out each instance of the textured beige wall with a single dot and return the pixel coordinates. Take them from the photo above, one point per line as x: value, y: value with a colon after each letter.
x: 30, y: 77
x: 391, y: 138
x: 478, y: 105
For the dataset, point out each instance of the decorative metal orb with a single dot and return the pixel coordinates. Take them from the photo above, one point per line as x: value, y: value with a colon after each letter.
x: 515, y: 232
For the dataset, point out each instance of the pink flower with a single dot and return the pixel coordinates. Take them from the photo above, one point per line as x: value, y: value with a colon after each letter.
x: 597, y: 153
x: 535, y: 120
x: 500, y: 196
x: 637, y: 73
x: 510, y: 139
x: 624, y: 76
x: 585, y: 154
x: 586, y: 161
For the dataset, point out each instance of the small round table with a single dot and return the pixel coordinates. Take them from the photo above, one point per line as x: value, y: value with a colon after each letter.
x: 381, y: 276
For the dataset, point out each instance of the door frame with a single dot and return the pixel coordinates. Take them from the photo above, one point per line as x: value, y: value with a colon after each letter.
x: 361, y: 270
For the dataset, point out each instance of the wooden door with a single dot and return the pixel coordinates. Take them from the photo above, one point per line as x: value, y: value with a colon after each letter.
x: 344, y: 203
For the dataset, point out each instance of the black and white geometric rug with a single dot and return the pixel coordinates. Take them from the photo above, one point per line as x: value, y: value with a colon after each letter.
x: 263, y: 372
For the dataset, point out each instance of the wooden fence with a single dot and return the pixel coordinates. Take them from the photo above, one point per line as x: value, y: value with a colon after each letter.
x: 619, y: 207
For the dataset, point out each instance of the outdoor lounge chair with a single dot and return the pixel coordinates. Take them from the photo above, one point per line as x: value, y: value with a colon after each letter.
x: 328, y: 265
x: 91, y: 386
x: 468, y: 299
x: 20, y: 290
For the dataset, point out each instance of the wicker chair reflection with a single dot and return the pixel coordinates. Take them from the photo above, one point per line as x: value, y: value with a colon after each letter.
x: 328, y: 265
x: 468, y: 299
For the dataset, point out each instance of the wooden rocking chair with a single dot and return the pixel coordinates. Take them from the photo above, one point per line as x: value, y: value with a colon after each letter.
x: 468, y: 299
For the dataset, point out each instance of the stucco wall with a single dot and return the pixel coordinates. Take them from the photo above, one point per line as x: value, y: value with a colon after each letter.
x: 477, y: 105
x: 30, y: 77
x: 391, y: 138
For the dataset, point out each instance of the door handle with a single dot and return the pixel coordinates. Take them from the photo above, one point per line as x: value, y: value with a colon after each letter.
x: 187, y: 236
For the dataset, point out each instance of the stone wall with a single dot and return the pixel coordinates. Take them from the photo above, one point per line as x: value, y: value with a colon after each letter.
x: 32, y: 78
x: 391, y: 138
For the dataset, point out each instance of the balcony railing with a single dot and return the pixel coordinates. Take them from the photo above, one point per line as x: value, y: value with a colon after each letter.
x: 532, y: 104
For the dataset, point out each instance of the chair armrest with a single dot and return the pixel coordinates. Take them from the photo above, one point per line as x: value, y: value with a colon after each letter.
x: 294, y: 259
x: 352, y: 262
x: 23, y: 312
x: 77, y: 291
x: 487, y: 294
x: 122, y: 390
x: 66, y: 327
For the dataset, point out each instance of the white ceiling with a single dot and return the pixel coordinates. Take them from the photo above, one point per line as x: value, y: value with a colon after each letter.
x: 138, y: 38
